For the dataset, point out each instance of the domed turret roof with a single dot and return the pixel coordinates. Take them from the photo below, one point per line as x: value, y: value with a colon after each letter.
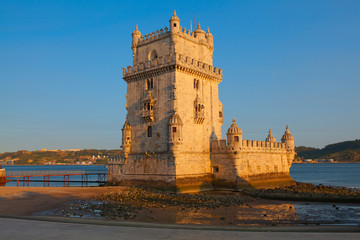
x: 208, y: 33
x: 199, y: 30
x: 175, y: 119
x: 174, y: 17
x: 126, y: 125
x: 136, y: 31
x: 270, y: 137
x: 287, y: 135
x: 234, y: 129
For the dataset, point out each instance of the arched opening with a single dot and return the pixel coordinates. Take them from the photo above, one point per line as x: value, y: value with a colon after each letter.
x: 149, y: 131
x: 236, y: 138
x: 153, y: 55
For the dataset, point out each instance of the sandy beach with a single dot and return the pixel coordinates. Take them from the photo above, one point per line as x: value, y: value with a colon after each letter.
x: 26, y: 201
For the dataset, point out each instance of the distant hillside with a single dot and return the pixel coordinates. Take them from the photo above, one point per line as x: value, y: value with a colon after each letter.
x: 348, y: 151
x: 69, y: 157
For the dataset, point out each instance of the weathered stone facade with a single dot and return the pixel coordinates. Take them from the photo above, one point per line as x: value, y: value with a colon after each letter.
x: 172, y: 133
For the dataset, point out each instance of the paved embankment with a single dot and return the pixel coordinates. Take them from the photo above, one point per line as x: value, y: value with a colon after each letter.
x: 45, y: 228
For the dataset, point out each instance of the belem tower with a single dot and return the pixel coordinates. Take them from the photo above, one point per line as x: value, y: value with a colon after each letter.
x: 172, y: 134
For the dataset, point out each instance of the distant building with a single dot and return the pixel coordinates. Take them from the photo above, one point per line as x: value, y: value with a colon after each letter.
x: 6, y: 162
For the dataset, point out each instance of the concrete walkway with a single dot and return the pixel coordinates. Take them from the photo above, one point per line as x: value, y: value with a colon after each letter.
x: 60, y: 228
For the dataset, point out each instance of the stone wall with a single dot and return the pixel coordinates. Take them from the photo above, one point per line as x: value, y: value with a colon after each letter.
x: 257, y: 163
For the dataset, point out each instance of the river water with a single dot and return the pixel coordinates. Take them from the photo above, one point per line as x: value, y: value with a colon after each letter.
x: 330, y: 174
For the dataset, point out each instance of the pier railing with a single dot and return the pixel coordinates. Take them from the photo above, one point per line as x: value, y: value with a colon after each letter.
x: 34, y: 173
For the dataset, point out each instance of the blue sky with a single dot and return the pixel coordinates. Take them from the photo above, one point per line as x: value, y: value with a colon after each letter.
x: 284, y: 62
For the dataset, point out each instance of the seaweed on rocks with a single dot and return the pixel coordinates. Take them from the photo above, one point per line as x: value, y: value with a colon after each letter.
x: 149, y: 198
x: 308, y: 192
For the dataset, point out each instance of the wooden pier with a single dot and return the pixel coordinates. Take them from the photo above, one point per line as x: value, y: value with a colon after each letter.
x: 45, y: 176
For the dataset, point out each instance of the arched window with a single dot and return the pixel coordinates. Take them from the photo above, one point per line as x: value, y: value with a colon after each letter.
x: 236, y: 138
x: 153, y: 55
x: 149, y: 131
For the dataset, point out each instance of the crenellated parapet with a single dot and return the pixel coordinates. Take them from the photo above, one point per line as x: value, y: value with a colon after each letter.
x: 198, y: 36
x: 154, y: 36
x: 220, y: 146
x: 178, y: 61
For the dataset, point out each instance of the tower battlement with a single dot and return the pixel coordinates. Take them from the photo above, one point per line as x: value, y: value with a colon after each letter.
x: 249, y: 146
x: 196, y: 44
x: 183, y: 32
x: 179, y: 60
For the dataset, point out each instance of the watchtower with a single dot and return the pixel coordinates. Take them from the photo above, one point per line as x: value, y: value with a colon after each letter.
x: 173, y: 107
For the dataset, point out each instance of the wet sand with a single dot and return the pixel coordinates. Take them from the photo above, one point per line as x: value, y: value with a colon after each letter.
x: 83, y: 203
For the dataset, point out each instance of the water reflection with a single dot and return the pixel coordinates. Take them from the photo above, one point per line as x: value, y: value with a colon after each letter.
x: 253, y: 214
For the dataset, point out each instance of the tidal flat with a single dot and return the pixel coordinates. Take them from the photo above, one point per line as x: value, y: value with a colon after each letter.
x: 216, y: 207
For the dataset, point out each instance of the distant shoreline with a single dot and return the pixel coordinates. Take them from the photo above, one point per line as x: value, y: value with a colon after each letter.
x: 321, y: 162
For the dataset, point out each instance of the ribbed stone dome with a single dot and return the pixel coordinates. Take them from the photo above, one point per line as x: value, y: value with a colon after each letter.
x: 175, y: 120
x: 270, y: 137
x: 136, y: 31
x: 174, y: 17
x: 234, y: 129
x: 287, y: 135
x: 199, y: 30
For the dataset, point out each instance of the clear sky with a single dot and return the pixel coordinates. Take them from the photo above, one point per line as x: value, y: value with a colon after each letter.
x: 284, y: 62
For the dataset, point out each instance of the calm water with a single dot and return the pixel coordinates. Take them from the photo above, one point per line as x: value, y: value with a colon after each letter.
x: 54, y: 168
x: 330, y: 174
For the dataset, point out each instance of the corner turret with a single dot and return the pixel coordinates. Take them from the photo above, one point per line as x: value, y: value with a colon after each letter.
x: 209, y: 38
x: 199, y: 33
x: 234, y: 135
x: 288, y: 139
x: 126, y: 138
x: 270, y: 137
x: 175, y: 131
x: 174, y: 23
x: 136, y: 35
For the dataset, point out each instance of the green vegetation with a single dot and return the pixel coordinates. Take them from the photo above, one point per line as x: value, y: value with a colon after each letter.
x: 348, y: 151
x: 68, y: 157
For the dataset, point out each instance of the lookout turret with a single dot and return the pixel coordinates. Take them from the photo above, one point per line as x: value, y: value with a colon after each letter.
x: 288, y: 139
x: 234, y: 135
x: 136, y: 35
x: 174, y: 23
x: 126, y: 141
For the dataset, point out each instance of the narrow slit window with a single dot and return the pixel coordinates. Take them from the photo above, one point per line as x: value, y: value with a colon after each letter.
x: 149, y: 84
x: 174, y: 129
x: 149, y: 131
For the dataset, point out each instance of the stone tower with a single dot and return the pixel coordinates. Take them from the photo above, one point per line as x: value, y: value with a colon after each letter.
x: 173, y: 108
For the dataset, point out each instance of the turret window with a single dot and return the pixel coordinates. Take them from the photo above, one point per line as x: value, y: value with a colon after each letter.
x: 236, y: 138
x: 174, y: 24
x: 149, y: 131
x: 174, y: 129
